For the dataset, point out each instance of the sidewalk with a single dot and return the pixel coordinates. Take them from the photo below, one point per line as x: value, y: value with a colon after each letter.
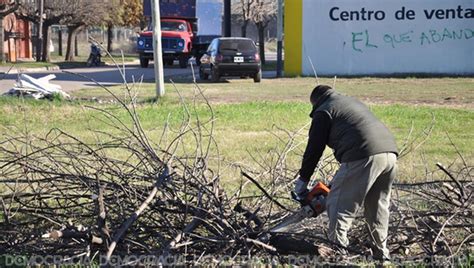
x: 15, y: 69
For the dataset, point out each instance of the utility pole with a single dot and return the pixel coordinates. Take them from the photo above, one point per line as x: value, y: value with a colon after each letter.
x: 39, y: 42
x: 157, y: 49
x: 279, y: 39
x: 227, y: 18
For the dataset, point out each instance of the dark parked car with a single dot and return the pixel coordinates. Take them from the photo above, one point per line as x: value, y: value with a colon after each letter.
x: 231, y: 56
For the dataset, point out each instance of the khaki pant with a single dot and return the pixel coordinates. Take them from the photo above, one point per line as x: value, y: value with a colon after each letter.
x: 366, y: 182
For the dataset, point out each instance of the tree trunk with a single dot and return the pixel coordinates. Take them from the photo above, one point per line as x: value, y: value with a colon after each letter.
x: 109, y: 37
x: 60, y: 41
x: 7, y: 9
x: 38, y: 43
x: 243, y: 28
x: 45, y: 57
x: 76, y: 46
x: 71, y: 34
x: 69, y: 44
x: 2, y: 41
x: 261, y: 41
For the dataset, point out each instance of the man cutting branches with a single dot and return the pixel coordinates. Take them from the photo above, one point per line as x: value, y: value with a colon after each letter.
x: 367, y: 152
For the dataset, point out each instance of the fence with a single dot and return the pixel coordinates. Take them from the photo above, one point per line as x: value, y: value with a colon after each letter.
x: 122, y: 39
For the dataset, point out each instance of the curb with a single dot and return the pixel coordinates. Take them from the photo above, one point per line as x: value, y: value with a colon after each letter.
x: 15, y: 70
x: 30, y: 70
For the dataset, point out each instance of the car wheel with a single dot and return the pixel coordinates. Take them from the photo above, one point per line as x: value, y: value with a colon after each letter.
x: 203, y: 75
x: 144, y: 62
x: 215, y: 75
x: 198, y: 60
x: 183, y: 62
x: 258, y: 76
x: 169, y: 62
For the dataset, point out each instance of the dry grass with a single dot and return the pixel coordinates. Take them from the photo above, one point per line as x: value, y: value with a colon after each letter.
x: 450, y: 92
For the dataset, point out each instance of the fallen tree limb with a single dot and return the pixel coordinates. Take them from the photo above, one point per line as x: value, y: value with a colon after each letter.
x: 92, y: 191
x: 458, y: 184
x: 264, y: 191
x: 161, y: 179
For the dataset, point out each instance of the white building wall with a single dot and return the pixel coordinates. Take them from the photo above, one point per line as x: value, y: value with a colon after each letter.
x: 433, y: 40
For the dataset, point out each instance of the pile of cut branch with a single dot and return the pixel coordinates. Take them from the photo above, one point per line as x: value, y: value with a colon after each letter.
x: 124, y: 194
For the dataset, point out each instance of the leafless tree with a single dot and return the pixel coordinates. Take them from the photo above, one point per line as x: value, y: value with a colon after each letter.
x: 263, y: 12
x: 74, y: 14
x: 245, y: 9
x: 6, y: 7
x: 88, y: 12
x: 113, y: 18
x: 54, y: 12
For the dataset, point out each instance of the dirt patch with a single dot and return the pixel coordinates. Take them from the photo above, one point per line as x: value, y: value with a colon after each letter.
x: 444, y: 104
x: 377, y: 100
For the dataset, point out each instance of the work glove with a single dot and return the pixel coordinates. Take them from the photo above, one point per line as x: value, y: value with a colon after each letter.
x: 301, y: 188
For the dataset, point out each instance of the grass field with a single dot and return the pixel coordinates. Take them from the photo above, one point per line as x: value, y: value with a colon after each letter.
x: 248, y: 115
x: 448, y: 92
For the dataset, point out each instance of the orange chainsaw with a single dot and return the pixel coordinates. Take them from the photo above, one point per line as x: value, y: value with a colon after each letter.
x: 313, y: 203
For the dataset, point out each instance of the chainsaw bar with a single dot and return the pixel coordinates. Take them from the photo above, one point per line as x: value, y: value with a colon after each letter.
x: 285, y: 224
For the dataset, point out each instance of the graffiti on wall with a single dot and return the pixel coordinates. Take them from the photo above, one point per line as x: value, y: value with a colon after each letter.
x: 364, y: 40
x: 400, y: 36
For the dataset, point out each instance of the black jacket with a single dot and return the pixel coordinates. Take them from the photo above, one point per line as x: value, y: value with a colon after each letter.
x: 348, y: 127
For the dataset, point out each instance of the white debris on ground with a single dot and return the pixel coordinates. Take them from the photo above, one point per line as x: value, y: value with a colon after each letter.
x: 40, y: 88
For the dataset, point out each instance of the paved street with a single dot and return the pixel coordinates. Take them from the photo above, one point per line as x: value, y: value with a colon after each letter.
x: 106, y: 75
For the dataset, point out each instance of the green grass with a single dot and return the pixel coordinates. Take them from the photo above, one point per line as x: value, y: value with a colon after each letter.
x: 249, y: 128
x: 450, y: 92
x: 249, y: 114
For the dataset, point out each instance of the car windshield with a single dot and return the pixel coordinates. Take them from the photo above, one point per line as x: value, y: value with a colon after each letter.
x: 174, y: 26
x: 245, y: 46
